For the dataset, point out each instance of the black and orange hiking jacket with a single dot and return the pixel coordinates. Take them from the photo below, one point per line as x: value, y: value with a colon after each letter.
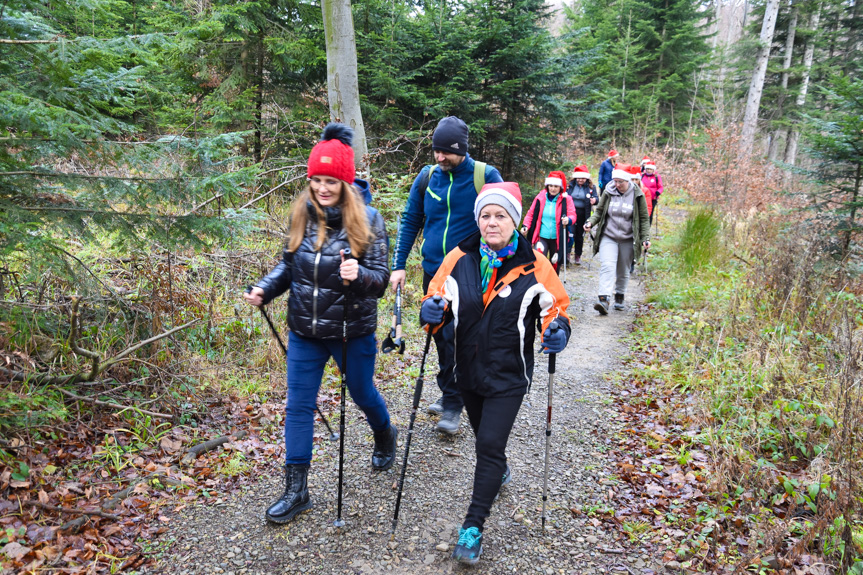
x: 495, y: 331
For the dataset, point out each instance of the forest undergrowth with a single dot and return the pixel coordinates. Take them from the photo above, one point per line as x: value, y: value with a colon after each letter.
x: 746, y: 383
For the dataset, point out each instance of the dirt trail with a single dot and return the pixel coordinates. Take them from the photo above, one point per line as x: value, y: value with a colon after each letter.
x: 233, y: 537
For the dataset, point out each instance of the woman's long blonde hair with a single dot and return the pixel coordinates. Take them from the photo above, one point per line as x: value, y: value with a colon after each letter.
x: 354, y: 220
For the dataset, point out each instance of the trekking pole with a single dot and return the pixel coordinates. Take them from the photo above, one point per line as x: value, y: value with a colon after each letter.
x: 333, y: 436
x: 394, y: 339
x: 418, y: 391
x: 339, y: 522
x: 564, y: 253
x: 551, y: 367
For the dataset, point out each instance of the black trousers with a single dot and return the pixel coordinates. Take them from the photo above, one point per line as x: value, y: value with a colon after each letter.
x: 652, y: 210
x: 581, y: 215
x: 549, y: 248
x: 492, y: 419
x: 444, y: 341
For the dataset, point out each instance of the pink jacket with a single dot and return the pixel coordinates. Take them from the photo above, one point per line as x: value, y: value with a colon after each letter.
x: 652, y: 185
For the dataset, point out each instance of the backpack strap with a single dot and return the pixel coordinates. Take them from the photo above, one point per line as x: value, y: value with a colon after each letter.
x: 478, y: 175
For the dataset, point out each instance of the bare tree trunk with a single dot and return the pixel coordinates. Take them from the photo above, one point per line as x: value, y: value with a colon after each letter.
x: 342, y: 79
x: 756, y: 86
x: 808, y: 55
x: 781, y: 133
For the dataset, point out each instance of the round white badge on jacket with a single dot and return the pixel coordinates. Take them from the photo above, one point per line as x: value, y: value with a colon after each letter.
x: 505, y: 291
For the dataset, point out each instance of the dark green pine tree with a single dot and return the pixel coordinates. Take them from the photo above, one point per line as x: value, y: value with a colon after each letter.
x: 645, y: 58
x: 75, y: 164
x: 834, y: 140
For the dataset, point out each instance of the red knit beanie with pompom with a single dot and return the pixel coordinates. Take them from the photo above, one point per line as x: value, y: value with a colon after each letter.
x: 333, y: 156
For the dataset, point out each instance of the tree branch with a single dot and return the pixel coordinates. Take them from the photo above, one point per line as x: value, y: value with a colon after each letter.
x: 97, y: 513
x: 85, y: 399
x: 264, y: 195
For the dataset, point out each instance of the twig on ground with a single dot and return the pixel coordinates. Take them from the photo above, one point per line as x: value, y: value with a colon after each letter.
x: 197, y: 450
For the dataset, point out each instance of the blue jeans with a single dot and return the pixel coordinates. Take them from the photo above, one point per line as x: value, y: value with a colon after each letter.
x: 306, y: 360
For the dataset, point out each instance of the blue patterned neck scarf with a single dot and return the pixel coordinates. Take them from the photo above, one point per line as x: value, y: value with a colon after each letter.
x: 490, y: 260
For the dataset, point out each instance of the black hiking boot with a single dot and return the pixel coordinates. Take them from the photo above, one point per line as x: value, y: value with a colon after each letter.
x: 618, y: 302
x: 296, y: 498
x: 602, y: 305
x: 384, y: 452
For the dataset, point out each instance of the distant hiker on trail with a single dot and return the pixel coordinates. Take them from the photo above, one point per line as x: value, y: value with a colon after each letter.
x: 546, y: 220
x: 584, y: 196
x: 329, y: 217
x: 440, y: 203
x: 644, y: 161
x: 606, y: 168
x: 500, y: 288
x: 622, y: 229
x: 651, y: 181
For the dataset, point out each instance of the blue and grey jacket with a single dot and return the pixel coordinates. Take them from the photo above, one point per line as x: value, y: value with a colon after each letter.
x: 444, y: 211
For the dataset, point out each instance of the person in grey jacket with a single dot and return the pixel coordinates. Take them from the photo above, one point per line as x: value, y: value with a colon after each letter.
x: 622, y: 230
x: 328, y: 218
x: 584, y: 196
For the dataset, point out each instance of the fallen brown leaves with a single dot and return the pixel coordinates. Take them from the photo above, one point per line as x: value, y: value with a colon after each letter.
x: 93, y: 495
x: 667, y: 496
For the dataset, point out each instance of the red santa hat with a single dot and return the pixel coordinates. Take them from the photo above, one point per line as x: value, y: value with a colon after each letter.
x: 645, y: 160
x: 556, y: 178
x: 581, y: 172
x: 649, y: 165
x: 613, y: 154
x: 621, y: 172
x: 635, y: 172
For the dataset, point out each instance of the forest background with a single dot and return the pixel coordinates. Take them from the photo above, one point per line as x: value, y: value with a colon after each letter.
x: 148, y: 152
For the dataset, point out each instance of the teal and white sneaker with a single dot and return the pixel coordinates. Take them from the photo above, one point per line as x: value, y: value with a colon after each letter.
x: 469, y: 546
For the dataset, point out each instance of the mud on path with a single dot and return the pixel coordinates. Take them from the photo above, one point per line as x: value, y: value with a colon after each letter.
x: 233, y: 536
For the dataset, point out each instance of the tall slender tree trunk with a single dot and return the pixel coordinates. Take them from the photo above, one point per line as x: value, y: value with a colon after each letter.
x: 808, y: 55
x: 781, y: 133
x: 343, y: 89
x: 756, y: 86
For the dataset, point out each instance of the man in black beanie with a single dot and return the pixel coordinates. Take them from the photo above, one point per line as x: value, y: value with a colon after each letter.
x: 441, y: 204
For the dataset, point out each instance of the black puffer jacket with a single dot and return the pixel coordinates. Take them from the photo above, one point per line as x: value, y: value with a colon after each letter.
x: 316, y: 305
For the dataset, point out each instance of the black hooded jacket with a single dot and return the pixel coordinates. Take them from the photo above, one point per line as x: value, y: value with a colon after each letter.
x: 317, y: 300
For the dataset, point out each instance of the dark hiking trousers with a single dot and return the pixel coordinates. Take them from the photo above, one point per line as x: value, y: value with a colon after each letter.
x: 492, y: 419
x: 444, y: 341
x: 581, y: 215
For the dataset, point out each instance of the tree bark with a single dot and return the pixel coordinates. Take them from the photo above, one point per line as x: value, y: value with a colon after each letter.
x: 342, y: 79
x: 756, y: 86
x: 781, y: 133
x: 808, y: 56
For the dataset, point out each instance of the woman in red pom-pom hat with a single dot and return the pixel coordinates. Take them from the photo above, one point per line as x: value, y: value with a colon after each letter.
x: 329, y: 217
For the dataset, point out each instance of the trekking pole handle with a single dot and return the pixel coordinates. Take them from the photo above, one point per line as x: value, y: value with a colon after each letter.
x: 347, y: 255
x: 552, y: 357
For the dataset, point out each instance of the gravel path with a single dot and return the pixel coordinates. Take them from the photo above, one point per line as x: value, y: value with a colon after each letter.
x: 233, y: 537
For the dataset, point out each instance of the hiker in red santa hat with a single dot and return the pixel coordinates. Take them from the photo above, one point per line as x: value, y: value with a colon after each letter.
x: 584, y: 195
x: 550, y: 213
x: 606, y: 168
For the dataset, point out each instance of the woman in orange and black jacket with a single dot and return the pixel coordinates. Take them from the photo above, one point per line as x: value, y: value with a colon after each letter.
x: 495, y: 288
